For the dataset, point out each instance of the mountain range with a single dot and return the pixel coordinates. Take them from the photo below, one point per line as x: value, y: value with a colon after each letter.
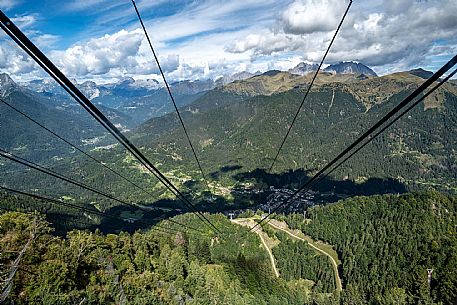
x: 241, y: 124
x: 236, y: 129
x: 139, y: 100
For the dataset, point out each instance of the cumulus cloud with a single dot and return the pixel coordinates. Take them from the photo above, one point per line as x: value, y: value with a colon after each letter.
x: 124, y: 53
x: 197, y: 32
x: 309, y: 16
x: 265, y: 44
x: 100, y: 55
x: 269, y: 43
x: 114, y: 54
x: 406, y: 38
x: 209, y: 39
x: 400, y: 33
x: 15, y: 62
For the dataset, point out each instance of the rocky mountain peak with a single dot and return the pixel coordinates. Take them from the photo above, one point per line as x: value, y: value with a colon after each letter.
x: 350, y: 67
x: 303, y: 68
x: 6, y: 81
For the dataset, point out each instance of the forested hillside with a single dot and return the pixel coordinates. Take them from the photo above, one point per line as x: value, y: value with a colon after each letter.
x: 387, y: 243
x: 63, y: 116
x: 145, y: 267
x: 296, y: 260
x: 419, y: 149
x: 236, y: 136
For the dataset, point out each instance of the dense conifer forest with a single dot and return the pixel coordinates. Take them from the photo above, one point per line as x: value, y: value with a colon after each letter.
x: 385, y: 244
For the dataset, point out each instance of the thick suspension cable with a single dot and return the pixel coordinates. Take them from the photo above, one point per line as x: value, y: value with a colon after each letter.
x: 16, y: 34
x: 367, y: 133
x: 86, y: 104
x: 371, y: 138
x: 37, y: 60
x: 75, y: 147
x: 171, y: 97
x: 308, y: 90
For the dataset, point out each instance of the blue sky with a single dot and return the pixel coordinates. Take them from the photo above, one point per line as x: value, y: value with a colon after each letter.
x: 101, y: 40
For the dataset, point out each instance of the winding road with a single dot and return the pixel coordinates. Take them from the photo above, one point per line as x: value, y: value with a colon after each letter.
x: 334, y: 263
x: 250, y: 223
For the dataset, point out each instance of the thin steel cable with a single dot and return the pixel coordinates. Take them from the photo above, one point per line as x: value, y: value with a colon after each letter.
x: 8, y: 26
x: 390, y: 123
x: 171, y: 97
x: 75, y: 147
x: 78, y: 207
x: 87, y: 105
x: 308, y: 90
x: 47, y: 171
x: 58, y: 202
x: 371, y: 138
x: 367, y: 133
x: 139, y: 206
x: 65, y: 87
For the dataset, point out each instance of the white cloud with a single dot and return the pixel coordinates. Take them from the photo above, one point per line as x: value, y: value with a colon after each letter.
x: 14, y: 61
x: 114, y: 7
x: 46, y: 40
x: 112, y: 55
x: 309, y: 16
x: 25, y: 21
x: 400, y: 34
x: 187, y: 33
x: 7, y: 4
x: 210, y: 38
x: 78, y: 6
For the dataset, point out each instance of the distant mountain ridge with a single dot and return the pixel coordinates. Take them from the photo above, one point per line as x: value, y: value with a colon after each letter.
x: 421, y: 73
x: 6, y: 81
x: 130, y: 87
x: 138, y: 99
x: 240, y: 124
x: 142, y: 99
x: 226, y: 79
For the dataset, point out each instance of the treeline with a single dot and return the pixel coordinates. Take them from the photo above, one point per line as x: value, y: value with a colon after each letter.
x: 387, y: 243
